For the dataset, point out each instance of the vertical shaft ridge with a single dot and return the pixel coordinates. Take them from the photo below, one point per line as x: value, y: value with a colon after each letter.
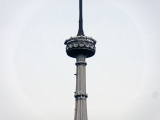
x: 80, y: 94
x: 80, y: 31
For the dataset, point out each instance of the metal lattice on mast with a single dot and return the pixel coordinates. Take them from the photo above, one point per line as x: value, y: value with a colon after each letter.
x: 80, y: 47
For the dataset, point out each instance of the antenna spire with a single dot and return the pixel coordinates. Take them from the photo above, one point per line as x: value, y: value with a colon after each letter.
x: 80, y: 31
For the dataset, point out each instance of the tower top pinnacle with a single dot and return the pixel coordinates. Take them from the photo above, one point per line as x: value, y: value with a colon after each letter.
x: 80, y: 31
x: 80, y: 44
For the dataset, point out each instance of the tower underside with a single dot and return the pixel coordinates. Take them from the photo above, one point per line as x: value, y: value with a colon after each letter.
x: 80, y: 45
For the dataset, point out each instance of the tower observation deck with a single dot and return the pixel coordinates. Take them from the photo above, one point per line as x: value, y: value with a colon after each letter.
x: 80, y: 47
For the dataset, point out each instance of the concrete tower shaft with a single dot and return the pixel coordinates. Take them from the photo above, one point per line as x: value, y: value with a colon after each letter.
x: 80, y: 94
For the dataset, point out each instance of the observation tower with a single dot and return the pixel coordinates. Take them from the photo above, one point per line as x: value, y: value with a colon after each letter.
x: 80, y: 47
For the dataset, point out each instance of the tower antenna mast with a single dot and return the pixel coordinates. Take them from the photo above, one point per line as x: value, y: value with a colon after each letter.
x: 80, y: 31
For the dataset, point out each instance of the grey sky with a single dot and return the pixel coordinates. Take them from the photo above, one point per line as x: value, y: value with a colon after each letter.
x: 37, y: 77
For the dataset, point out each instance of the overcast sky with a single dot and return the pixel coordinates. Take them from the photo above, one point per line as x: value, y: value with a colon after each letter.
x: 37, y: 79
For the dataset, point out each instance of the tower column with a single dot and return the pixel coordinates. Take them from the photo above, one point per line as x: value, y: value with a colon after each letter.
x: 80, y: 47
x: 80, y: 94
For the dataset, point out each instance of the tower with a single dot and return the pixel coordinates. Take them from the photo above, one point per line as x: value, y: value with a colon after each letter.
x: 80, y: 47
